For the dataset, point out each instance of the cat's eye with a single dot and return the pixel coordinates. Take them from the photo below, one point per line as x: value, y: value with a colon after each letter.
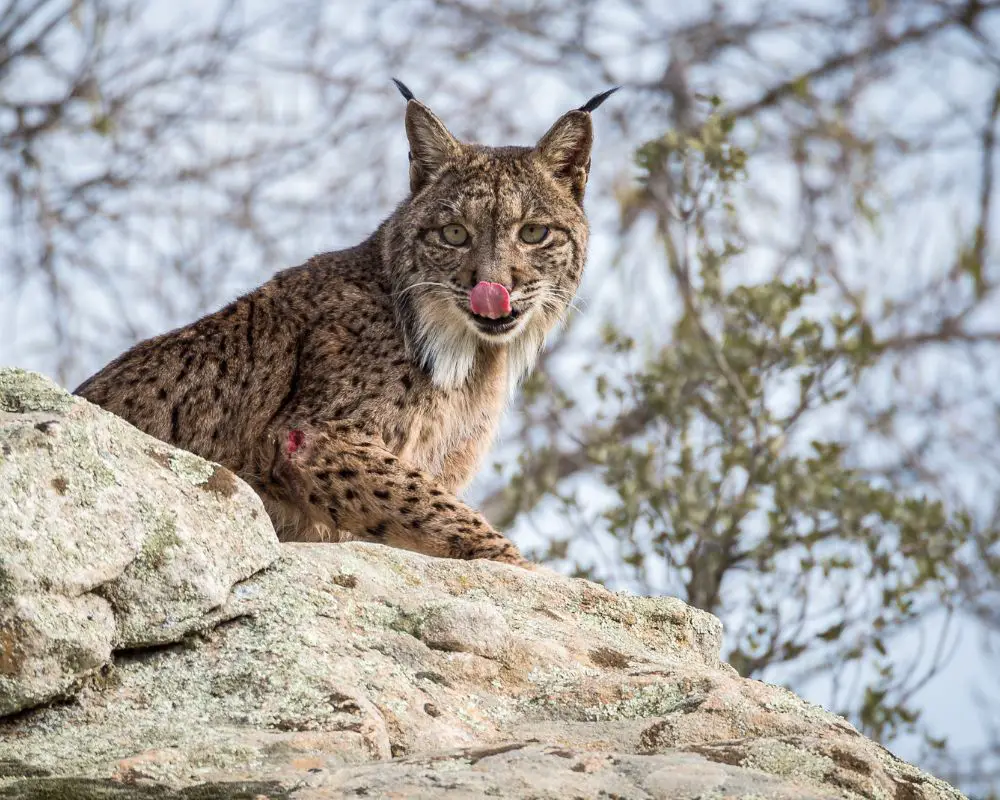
x: 454, y: 234
x: 533, y: 233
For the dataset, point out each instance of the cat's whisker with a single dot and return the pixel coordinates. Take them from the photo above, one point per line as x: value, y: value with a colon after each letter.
x: 559, y: 304
x: 566, y: 298
x: 418, y: 284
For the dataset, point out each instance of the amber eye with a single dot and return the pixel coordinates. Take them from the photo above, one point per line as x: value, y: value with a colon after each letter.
x: 454, y: 234
x: 532, y: 233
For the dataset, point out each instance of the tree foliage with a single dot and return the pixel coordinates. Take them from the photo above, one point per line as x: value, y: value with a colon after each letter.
x: 726, y: 495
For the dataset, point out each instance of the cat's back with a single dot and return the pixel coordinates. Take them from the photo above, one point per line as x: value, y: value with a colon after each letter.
x: 213, y: 386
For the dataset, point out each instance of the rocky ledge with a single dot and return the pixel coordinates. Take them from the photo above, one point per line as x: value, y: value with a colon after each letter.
x: 156, y: 641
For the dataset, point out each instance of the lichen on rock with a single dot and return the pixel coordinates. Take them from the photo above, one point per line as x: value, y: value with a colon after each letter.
x: 98, y: 551
x: 22, y: 391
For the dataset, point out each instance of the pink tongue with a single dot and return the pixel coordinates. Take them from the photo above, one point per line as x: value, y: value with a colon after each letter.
x: 490, y: 300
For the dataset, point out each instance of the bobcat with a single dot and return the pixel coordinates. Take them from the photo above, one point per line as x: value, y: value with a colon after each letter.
x: 357, y: 393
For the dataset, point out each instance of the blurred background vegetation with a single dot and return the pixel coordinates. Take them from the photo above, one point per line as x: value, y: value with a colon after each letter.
x: 779, y: 396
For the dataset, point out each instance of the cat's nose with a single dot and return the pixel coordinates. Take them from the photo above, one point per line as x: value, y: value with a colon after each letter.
x: 494, y: 271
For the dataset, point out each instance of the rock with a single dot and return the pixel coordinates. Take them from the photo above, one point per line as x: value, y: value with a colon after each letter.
x: 355, y: 669
x: 531, y: 770
x: 109, y: 539
x: 341, y: 657
x: 465, y: 627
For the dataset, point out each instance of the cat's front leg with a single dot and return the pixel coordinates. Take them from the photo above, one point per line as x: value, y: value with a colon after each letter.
x: 344, y: 477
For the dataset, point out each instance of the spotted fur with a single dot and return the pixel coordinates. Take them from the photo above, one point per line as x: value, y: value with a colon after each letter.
x: 357, y: 393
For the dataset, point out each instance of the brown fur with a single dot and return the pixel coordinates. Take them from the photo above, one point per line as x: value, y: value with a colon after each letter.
x: 373, y: 355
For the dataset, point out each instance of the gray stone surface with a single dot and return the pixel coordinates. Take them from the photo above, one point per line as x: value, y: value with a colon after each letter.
x: 109, y: 539
x: 350, y: 670
x: 343, y: 655
x: 525, y: 770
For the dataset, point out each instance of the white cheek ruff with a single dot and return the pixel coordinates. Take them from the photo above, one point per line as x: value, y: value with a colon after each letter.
x: 522, y: 353
x: 449, y: 352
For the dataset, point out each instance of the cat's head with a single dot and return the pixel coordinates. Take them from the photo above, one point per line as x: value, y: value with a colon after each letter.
x: 490, y: 246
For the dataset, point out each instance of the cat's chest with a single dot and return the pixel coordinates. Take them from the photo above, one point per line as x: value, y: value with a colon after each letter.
x: 439, y: 432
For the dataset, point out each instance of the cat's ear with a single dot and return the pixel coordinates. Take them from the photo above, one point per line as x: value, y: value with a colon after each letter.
x: 565, y: 149
x: 431, y: 145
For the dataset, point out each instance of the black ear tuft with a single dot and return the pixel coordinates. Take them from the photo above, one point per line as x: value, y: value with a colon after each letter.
x: 409, y: 95
x: 595, y: 101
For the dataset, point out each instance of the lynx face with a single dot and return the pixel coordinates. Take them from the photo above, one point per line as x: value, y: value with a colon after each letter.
x: 489, y: 250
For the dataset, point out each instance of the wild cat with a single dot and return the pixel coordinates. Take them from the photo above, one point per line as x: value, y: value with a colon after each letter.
x: 358, y: 392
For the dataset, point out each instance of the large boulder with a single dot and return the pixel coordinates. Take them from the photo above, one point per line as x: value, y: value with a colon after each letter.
x: 109, y: 539
x: 358, y: 670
